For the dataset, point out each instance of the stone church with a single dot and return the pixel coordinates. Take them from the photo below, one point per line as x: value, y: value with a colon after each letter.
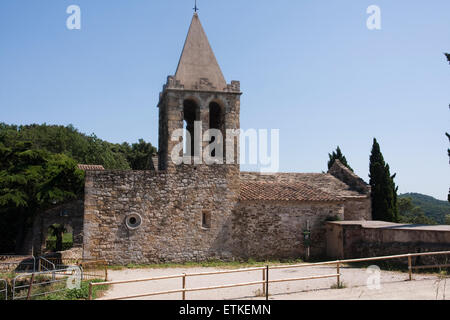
x: 197, y: 212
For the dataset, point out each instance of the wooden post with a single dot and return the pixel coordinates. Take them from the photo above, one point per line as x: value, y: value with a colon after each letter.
x: 338, y: 272
x: 90, y: 291
x: 410, y: 267
x: 264, y: 284
x: 106, y: 271
x: 267, y: 283
x: 184, y: 286
x: 29, y: 288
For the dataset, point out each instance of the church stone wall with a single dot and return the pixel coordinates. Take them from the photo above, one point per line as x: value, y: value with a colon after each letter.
x: 358, y: 208
x: 171, y: 206
x: 274, y: 229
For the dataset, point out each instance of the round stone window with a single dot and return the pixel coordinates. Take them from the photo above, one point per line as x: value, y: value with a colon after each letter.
x: 133, y: 221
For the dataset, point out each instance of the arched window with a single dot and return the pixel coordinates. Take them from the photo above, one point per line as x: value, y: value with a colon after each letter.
x: 216, y: 121
x: 191, y: 113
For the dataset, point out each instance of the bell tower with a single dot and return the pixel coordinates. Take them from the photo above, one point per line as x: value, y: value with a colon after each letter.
x: 197, y: 98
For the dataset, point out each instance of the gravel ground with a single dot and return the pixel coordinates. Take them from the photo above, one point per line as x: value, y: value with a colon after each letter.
x: 393, y: 285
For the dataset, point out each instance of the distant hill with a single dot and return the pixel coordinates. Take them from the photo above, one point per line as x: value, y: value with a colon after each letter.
x: 433, y: 208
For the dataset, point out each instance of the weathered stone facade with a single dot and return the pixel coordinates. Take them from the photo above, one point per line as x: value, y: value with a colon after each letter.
x: 274, y: 229
x: 171, y: 206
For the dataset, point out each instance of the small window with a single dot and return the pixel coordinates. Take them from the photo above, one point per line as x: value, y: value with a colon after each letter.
x: 133, y: 221
x: 206, y: 219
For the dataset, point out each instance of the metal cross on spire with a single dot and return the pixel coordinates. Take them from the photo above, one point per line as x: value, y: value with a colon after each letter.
x: 195, y: 7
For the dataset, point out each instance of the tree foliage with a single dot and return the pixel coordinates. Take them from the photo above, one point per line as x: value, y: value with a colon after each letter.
x: 433, y: 208
x: 139, y: 155
x: 337, y: 155
x: 38, y: 169
x: 32, y: 181
x: 384, y: 190
x: 80, y: 147
x: 410, y: 213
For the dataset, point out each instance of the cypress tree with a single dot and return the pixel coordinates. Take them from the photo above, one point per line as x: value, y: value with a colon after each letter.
x: 384, y: 190
x: 447, y: 55
x: 339, y: 156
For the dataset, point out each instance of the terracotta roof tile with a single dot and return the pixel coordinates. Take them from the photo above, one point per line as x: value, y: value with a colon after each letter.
x: 321, y: 181
x: 282, y: 191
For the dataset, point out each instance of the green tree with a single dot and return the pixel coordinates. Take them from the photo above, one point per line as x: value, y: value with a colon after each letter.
x: 447, y: 55
x: 80, y: 147
x: 384, y: 191
x: 32, y: 181
x: 139, y: 155
x: 447, y: 219
x: 337, y: 155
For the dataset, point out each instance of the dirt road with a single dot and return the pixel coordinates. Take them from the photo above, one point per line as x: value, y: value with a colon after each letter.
x: 393, y: 285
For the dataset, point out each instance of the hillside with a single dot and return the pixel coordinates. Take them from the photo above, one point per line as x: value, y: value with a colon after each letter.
x: 433, y: 208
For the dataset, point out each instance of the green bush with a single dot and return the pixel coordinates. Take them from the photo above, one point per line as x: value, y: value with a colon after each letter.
x: 78, y: 294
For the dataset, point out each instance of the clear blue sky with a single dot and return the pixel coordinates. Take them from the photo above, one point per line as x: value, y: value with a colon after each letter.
x: 309, y: 68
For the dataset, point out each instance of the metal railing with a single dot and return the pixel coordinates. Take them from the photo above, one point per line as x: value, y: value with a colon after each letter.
x: 45, y: 265
x: 265, y: 275
x: 92, y: 269
x: 38, y: 280
x: 5, y: 288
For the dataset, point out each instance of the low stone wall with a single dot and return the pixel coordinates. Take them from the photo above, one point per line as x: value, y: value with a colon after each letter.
x: 274, y: 229
x: 359, y: 239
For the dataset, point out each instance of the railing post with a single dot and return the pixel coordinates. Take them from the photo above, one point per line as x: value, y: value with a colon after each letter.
x: 264, y: 280
x: 184, y: 286
x: 29, y: 288
x: 267, y: 282
x: 90, y: 291
x: 410, y: 267
x: 106, y: 271
x: 338, y: 272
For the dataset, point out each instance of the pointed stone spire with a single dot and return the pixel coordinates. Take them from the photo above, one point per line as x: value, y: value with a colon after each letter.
x: 198, y: 67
